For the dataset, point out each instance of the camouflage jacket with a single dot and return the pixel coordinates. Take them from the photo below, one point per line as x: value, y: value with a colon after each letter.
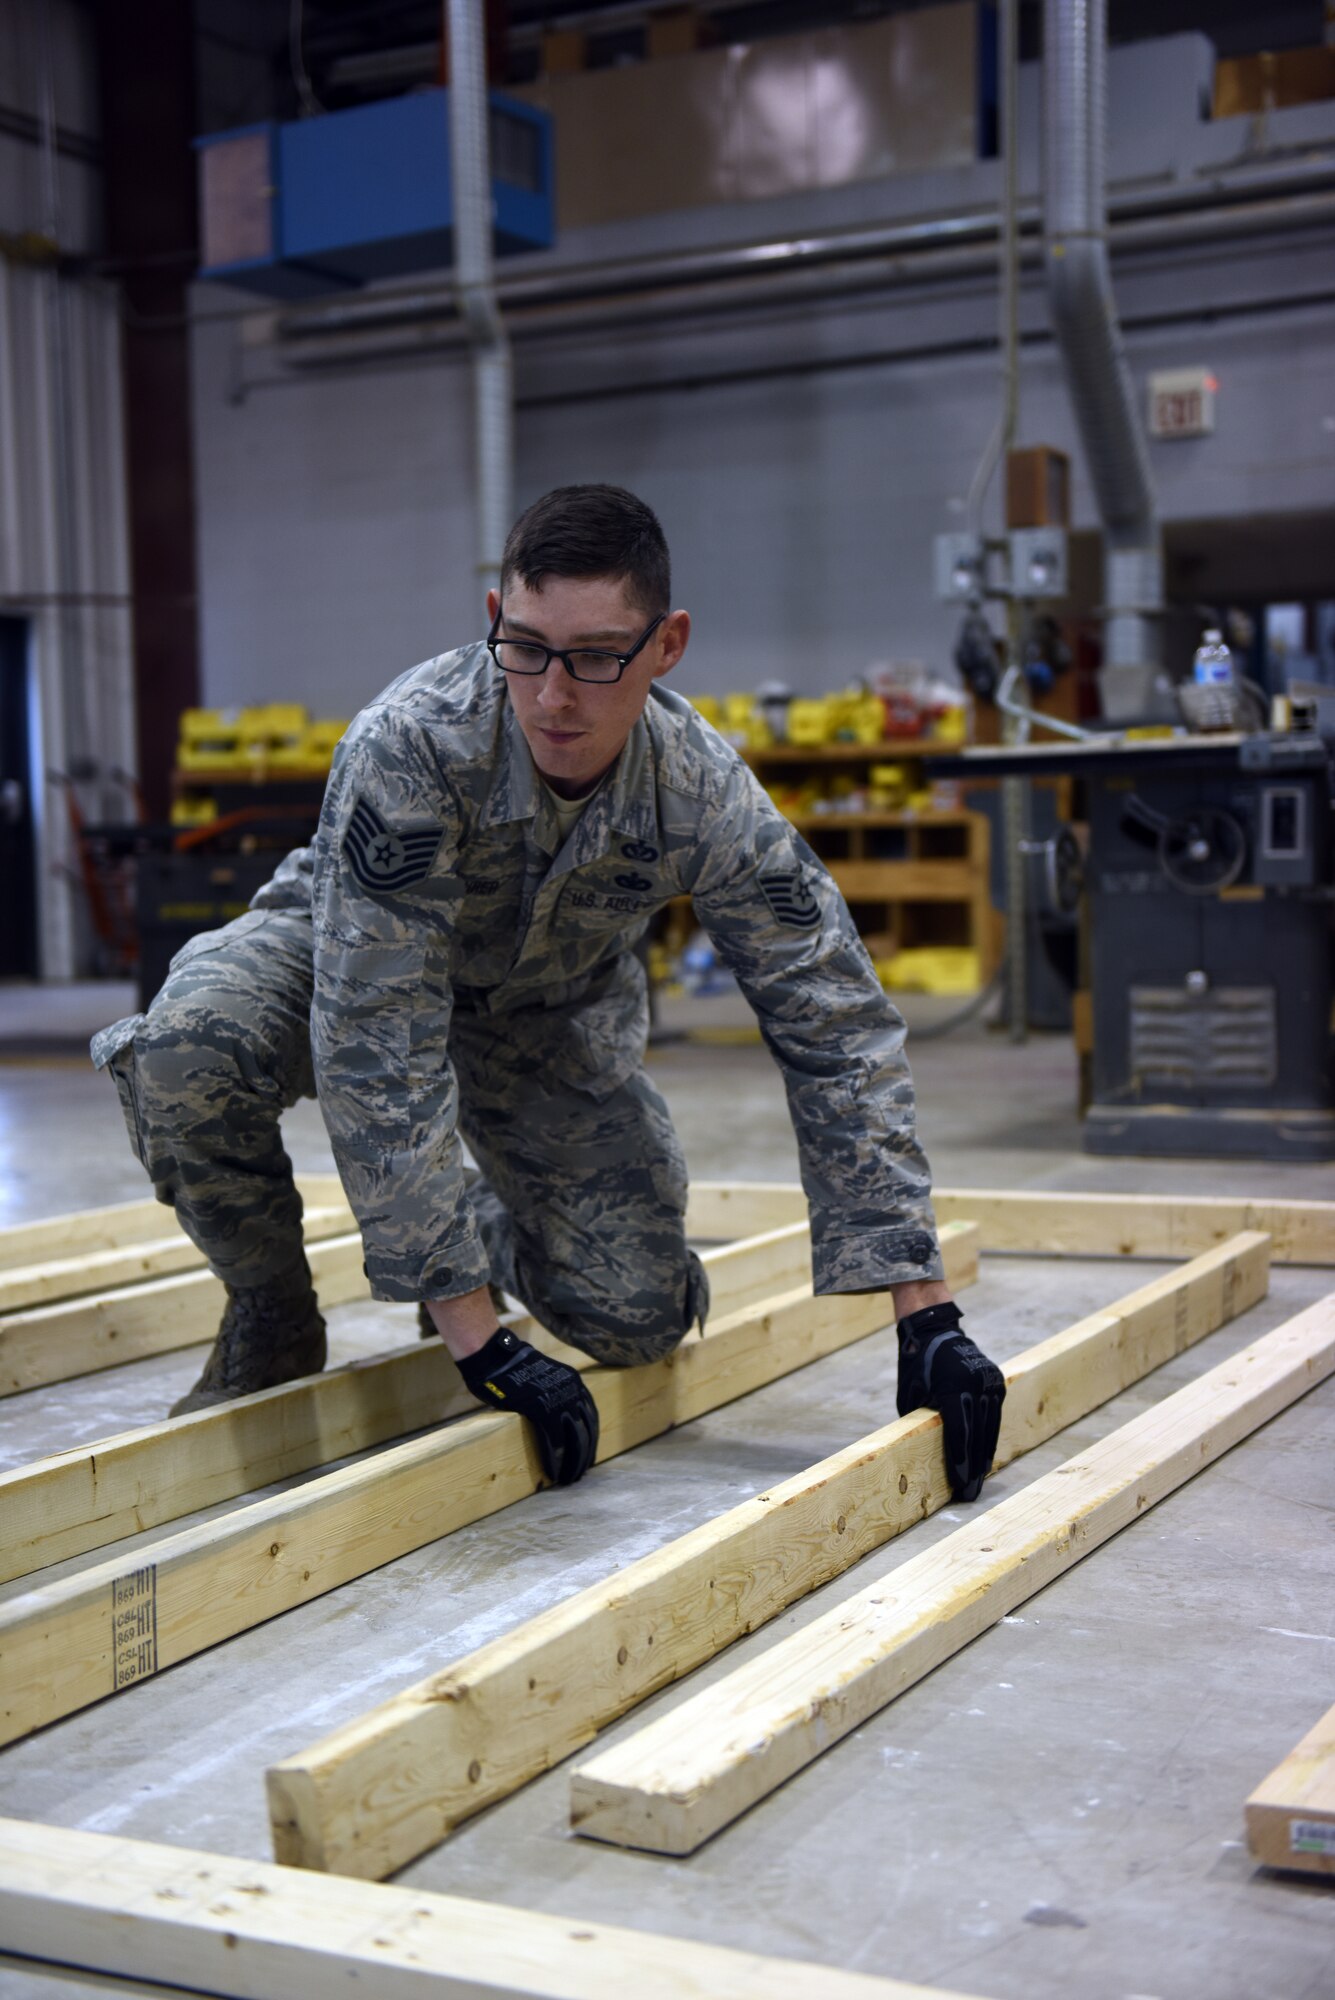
x: 438, y: 880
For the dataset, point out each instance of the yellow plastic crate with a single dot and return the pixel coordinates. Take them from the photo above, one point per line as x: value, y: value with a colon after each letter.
x: 944, y: 968
x: 809, y: 723
x: 274, y: 733
x: 208, y: 736
x: 322, y: 739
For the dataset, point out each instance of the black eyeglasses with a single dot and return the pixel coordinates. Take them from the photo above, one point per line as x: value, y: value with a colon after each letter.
x: 582, y: 663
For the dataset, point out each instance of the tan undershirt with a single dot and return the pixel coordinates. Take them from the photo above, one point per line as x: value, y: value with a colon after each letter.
x: 568, y: 811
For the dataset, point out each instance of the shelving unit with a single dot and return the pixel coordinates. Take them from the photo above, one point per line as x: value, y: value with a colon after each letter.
x: 911, y: 879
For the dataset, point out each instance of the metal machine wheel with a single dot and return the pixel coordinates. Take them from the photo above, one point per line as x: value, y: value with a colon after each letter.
x: 1204, y: 852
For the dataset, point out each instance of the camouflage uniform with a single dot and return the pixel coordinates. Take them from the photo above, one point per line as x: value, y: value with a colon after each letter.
x: 468, y: 974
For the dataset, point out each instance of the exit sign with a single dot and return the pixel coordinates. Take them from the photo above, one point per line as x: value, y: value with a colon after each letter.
x: 1182, y: 403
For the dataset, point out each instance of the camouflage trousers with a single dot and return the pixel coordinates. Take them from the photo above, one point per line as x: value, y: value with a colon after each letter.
x: 580, y: 1202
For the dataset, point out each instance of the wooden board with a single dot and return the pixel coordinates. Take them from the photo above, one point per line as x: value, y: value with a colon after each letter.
x: 671, y: 1785
x: 132, y: 1263
x: 1044, y: 1224
x: 184, y: 1918
x: 1291, y: 1817
x: 376, y: 1793
x: 81, y: 1336
x: 717, y: 1210
x: 90, y: 1230
x: 66, y: 1644
x: 82, y: 1499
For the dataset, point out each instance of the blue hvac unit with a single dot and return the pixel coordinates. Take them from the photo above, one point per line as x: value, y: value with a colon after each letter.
x: 326, y: 203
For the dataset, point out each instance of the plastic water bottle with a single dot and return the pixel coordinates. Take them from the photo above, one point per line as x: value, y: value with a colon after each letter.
x: 1214, y: 662
x: 1209, y: 700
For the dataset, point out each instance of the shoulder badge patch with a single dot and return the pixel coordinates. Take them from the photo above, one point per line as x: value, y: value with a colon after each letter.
x: 384, y: 857
x: 791, y: 901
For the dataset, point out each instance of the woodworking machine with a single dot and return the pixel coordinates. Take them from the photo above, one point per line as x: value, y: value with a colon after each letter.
x: 1208, y: 901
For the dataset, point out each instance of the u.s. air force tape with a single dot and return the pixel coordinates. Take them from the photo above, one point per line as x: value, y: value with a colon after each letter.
x: 791, y: 901
x: 384, y: 857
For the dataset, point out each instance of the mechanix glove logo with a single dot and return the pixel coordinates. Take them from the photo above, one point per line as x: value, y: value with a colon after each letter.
x: 384, y: 857
x: 792, y: 902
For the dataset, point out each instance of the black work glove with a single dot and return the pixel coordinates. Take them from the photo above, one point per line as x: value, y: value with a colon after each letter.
x: 508, y: 1374
x: 942, y: 1370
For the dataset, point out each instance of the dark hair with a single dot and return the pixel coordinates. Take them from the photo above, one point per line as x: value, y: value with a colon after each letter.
x: 591, y: 531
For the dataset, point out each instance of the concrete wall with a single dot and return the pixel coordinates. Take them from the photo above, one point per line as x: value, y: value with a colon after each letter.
x: 801, y: 458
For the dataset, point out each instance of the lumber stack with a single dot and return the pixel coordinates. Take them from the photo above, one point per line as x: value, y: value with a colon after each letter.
x: 677, y: 1782
x: 377, y: 1792
x: 373, y: 1795
x: 85, y: 1498
x: 72, y: 1642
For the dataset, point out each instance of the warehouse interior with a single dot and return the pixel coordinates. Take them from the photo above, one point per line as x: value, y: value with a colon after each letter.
x: 979, y: 363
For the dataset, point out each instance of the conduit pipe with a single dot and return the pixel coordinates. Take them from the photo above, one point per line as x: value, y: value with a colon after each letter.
x: 475, y: 283
x: 1085, y: 323
x: 581, y: 303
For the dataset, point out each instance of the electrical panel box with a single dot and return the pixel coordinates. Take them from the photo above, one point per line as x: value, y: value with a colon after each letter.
x: 959, y: 564
x: 1038, y: 562
x: 324, y: 204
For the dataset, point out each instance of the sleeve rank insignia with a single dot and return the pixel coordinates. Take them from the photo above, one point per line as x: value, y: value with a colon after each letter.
x: 384, y: 857
x: 791, y: 901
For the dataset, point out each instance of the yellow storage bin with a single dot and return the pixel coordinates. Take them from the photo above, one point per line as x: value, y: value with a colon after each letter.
x: 192, y: 810
x: 323, y: 738
x: 274, y: 733
x: 208, y: 736
x: 809, y: 723
x: 944, y: 968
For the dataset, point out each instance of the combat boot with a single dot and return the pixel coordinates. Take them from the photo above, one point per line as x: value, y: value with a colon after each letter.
x: 270, y: 1333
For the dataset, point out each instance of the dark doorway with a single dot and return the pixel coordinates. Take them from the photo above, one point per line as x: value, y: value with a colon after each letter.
x: 18, y: 883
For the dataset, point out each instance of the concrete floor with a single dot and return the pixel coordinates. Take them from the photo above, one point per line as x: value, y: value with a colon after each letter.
x: 1056, y: 1811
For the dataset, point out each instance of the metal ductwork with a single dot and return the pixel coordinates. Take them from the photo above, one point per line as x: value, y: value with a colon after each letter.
x: 1084, y: 318
x: 475, y: 283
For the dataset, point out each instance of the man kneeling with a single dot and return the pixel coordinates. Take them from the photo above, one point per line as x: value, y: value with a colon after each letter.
x: 453, y: 959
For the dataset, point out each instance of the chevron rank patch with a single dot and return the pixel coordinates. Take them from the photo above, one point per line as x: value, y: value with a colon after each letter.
x: 387, y: 858
x: 791, y: 901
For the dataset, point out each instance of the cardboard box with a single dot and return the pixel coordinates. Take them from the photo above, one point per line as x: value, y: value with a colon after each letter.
x: 564, y: 51
x: 672, y: 31
x: 1272, y: 81
x: 1038, y: 488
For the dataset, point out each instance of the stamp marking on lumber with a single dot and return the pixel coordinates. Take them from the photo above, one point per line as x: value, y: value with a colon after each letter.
x: 672, y: 1785
x: 1291, y: 1816
x: 371, y: 1796
x: 83, y: 1498
x: 58, y: 1649
x: 180, y: 1917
